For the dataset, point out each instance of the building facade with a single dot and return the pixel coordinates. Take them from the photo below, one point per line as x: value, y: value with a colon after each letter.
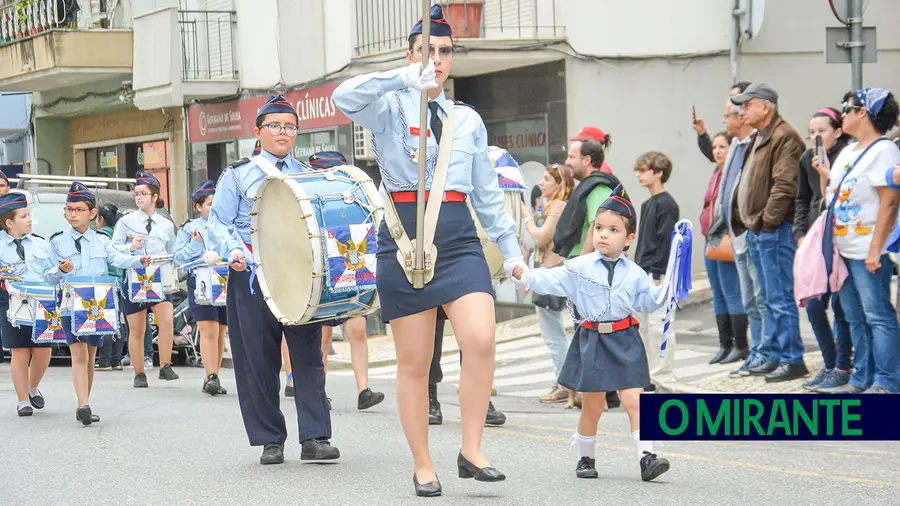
x: 182, y: 79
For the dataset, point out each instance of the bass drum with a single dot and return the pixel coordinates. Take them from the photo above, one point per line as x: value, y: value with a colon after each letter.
x: 314, y: 244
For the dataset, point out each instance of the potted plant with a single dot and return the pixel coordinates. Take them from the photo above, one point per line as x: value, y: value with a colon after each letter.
x: 464, y: 17
x: 22, y: 11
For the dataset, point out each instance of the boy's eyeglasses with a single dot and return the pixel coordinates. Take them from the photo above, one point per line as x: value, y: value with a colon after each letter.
x: 276, y: 129
x: 75, y: 210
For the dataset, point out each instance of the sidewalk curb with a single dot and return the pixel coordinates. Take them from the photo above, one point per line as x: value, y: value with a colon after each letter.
x: 683, y: 388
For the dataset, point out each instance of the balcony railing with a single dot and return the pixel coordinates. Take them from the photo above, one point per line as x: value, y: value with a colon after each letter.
x: 383, y: 25
x: 21, y: 19
x: 207, y: 45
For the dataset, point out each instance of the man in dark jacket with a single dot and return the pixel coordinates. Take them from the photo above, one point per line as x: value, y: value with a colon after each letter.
x: 764, y: 206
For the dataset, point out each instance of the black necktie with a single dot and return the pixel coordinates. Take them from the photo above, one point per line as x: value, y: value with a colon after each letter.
x: 78, y: 244
x: 437, y: 125
x: 149, y: 224
x: 610, y: 267
x: 20, y: 250
x: 280, y: 165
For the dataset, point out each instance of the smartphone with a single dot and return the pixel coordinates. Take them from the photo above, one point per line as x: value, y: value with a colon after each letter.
x: 694, y: 113
x: 819, y: 151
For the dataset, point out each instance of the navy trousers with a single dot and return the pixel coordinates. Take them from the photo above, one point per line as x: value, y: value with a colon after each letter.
x: 255, y: 336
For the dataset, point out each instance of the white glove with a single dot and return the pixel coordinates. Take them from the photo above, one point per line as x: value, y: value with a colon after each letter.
x: 511, y: 264
x: 414, y: 78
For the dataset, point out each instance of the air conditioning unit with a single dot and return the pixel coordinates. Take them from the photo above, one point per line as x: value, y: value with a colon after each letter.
x: 362, y: 144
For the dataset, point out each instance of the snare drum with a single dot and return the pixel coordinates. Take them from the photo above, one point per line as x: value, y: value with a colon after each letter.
x: 511, y: 182
x: 314, y: 244
x: 151, y: 284
x: 211, y: 284
x: 92, y: 304
x: 22, y: 296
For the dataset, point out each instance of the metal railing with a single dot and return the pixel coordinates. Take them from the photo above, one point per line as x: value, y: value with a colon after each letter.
x: 20, y: 19
x: 383, y: 25
x: 207, y: 45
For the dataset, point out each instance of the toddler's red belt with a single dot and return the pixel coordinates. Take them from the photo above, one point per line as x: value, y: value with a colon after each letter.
x: 610, y: 327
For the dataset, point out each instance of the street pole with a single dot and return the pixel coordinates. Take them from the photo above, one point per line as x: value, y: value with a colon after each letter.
x: 856, y: 43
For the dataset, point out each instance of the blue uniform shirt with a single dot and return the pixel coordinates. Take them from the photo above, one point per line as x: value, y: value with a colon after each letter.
x: 96, y: 252
x: 186, y: 250
x: 30, y: 269
x: 228, y: 227
x: 381, y: 103
x: 584, y: 281
x: 159, y: 241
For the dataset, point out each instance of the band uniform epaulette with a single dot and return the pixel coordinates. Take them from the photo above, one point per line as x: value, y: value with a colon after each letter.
x: 39, y: 237
x: 56, y: 234
x: 238, y: 163
x: 470, y: 106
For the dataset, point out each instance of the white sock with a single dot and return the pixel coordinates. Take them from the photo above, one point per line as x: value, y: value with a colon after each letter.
x: 33, y: 391
x: 587, y: 445
x: 641, y: 446
x: 22, y: 404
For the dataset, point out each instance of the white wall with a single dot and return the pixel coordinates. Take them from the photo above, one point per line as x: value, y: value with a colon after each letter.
x: 647, y: 27
x: 258, y: 43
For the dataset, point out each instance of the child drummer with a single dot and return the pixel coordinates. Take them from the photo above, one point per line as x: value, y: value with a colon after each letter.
x: 22, y: 255
x: 147, y: 232
x: 189, y: 247
x: 606, y: 353
x: 80, y: 251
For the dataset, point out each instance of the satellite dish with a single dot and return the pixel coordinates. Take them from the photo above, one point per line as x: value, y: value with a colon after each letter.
x: 752, y: 17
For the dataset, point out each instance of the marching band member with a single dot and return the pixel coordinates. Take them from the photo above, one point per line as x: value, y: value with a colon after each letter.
x: 150, y: 233
x: 22, y: 254
x: 354, y: 328
x: 80, y: 251
x: 4, y: 184
x: 255, y: 334
x: 459, y: 283
x: 606, y: 353
x: 211, y: 319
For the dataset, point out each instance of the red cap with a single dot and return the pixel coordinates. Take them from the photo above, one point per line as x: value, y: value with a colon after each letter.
x: 590, y: 132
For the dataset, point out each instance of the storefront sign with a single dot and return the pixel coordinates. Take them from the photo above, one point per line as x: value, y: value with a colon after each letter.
x: 109, y: 160
x: 236, y: 119
x: 526, y: 139
x: 309, y: 143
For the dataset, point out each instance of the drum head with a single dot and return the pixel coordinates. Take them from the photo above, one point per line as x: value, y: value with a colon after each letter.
x: 283, y: 228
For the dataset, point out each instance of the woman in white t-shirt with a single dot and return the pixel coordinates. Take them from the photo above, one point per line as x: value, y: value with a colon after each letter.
x: 865, y: 211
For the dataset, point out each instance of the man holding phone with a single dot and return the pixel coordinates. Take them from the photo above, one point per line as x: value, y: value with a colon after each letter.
x: 703, y: 140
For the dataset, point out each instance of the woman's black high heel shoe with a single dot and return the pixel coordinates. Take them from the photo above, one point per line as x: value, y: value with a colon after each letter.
x: 468, y: 470
x: 430, y: 489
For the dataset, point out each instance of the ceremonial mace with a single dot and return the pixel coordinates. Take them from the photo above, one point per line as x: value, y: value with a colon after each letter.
x: 418, y: 275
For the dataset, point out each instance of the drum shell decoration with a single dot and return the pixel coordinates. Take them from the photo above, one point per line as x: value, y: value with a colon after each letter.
x: 22, y: 297
x: 314, y: 243
x: 211, y: 282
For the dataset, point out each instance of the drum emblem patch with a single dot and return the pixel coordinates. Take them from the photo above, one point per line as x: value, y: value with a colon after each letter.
x: 94, y: 311
x: 94, y: 308
x: 47, y: 321
x: 351, y: 257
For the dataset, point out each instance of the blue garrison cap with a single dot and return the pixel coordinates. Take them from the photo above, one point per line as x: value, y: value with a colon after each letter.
x: 326, y: 160
x: 439, y: 26
x: 276, y: 105
x: 205, y: 189
x: 80, y: 193
x: 145, y: 178
x: 11, y: 202
x: 619, y: 202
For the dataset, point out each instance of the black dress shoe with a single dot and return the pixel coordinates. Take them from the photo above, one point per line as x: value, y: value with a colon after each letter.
x: 25, y: 411
x: 435, y: 417
x: 319, y: 449
x: 763, y: 369
x: 787, y: 372
x: 430, y: 489
x: 37, y: 400
x: 468, y: 470
x: 84, y: 415
x: 586, y: 469
x: 652, y: 466
x: 368, y: 398
x: 140, y: 380
x: 494, y: 417
x: 272, y: 454
x: 95, y: 418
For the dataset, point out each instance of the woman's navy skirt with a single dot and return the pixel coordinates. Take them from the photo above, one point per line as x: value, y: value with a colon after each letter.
x: 460, y: 270
x: 605, y: 362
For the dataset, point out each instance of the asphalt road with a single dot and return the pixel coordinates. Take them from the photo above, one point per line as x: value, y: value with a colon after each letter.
x: 170, y: 444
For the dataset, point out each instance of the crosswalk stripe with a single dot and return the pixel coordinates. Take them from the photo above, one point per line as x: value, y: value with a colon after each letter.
x: 506, y: 371
x: 544, y: 377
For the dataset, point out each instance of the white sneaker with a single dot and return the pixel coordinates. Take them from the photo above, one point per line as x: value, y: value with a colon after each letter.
x: 148, y: 363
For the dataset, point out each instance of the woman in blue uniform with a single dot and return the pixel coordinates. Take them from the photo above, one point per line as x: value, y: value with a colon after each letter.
x: 22, y: 254
x: 81, y: 251
x: 147, y: 232
x: 189, y: 247
x: 388, y: 104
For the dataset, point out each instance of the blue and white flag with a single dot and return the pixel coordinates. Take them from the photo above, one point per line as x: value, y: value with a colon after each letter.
x: 509, y: 176
x: 351, y: 257
x: 678, y: 275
